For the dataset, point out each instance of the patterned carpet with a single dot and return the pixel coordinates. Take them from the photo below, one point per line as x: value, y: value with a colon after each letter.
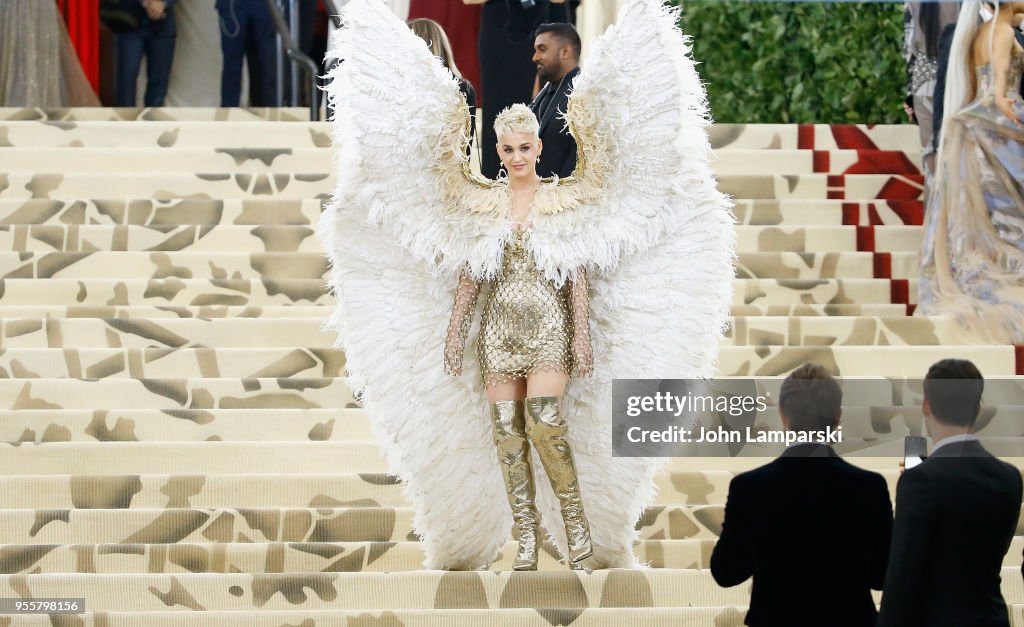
x: 180, y: 447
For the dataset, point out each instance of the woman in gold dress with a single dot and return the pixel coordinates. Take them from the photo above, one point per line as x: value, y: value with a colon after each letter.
x: 640, y: 224
x: 533, y: 335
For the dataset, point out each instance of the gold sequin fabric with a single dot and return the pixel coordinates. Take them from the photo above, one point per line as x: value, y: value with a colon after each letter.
x: 526, y: 325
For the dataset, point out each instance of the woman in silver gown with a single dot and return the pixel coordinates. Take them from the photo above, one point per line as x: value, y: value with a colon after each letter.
x: 38, y: 65
x: 533, y: 335
x: 972, y: 263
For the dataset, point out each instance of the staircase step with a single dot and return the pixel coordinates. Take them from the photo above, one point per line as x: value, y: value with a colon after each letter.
x: 186, y: 425
x: 165, y: 333
x: 882, y: 310
x: 768, y: 137
x: 232, y: 158
x: 20, y: 365
x: 360, y: 521
x: 173, y: 394
x: 203, y: 293
x: 282, y: 333
x: 593, y: 617
x: 688, y: 503
x: 821, y: 186
x: 318, y: 184
x: 829, y: 212
x: 68, y: 186
x: 61, y: 458
x: 259, y: 557
x: 169, y: 363
x: 155, y: 114
x: 860, y: 361
x: 825, y: 239
x: 322, y: 312
x: 733, y: 161
x: 163, y: 134
x: 21, y: 159
x: 238, y: 292
x: 844, y: 331
x: 170, y: 212
x: 1001, y: 418
x: 166, y: 238
x: 230, y: 238
x: 313, y: 265
x: 203, y: 210
x: 395, y: 591
x: 197, y: 265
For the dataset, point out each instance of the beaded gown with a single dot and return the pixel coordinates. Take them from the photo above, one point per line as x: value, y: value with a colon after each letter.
x: 973, y: 257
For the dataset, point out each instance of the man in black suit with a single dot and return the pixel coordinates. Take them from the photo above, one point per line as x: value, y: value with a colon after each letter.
x: 247, y: 33
x: 154, y: 40
x: 956, y: 514
x: 812, y: 530
x: 557, y: 56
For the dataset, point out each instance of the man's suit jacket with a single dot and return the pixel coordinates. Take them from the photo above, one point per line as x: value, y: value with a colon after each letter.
x: 955, y: 516
x: 813, y: 531
x: 558, y: 157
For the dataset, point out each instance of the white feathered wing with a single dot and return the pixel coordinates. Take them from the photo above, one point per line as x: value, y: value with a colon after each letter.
x: 395, y: 254
x: 661, y: 237
x: 642, y: 211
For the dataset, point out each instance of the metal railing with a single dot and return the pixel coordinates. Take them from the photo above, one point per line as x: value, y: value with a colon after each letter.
x: 298, y: 58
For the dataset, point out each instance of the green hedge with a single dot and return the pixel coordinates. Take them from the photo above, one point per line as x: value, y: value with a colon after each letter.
x: 799, y: 61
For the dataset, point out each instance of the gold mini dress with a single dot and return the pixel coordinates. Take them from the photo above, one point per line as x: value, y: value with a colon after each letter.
x: 526, y: 325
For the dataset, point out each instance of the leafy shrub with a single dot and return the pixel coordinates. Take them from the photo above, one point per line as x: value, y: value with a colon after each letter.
x: 804, y: 62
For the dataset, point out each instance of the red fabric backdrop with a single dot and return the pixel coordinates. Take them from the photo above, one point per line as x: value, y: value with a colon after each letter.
x: 83, y: 20
x: 462, y: 23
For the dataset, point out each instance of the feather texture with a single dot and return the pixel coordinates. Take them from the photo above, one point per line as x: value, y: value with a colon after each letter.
x: 642, y: 210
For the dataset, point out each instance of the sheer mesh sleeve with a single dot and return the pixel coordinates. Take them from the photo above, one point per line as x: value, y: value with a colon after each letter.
x: 582, y: 349
x: 460, y: 323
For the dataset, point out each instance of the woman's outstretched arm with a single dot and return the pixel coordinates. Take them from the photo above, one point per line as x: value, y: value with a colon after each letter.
x: 582, y: 349
x: 460, y: 323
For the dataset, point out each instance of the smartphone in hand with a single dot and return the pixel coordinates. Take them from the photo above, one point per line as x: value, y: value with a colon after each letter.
x: 915, y: 451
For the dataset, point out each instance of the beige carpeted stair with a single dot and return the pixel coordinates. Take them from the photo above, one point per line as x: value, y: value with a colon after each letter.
x: 178, y: 447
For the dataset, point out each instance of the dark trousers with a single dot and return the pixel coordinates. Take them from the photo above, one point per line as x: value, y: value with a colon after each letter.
x: 159, y: 52
x: 247, y: 30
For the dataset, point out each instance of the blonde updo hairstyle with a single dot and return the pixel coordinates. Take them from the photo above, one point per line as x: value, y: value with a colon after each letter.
x: 517, y: 119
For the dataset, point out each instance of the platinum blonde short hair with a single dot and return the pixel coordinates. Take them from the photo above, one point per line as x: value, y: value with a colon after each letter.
x: 516, y: 119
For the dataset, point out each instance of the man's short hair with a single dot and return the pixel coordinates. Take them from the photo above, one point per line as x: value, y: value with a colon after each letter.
x: 953, y: 389
x: 565, y: 33
x: 810, y: 398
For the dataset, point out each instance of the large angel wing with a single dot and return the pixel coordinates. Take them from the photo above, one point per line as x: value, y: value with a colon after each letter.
x: 639, y: 113
x: 403, y: 128
x: 662, y: 239
x: 395, y: 254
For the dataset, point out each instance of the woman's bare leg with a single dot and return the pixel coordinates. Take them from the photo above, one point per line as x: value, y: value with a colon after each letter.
x: 514, y: 390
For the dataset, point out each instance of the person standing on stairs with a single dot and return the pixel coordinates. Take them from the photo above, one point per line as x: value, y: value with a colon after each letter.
x: 557, y: 55
x: 413, y: 227
x: 533, y: 335
x: 811, y: 529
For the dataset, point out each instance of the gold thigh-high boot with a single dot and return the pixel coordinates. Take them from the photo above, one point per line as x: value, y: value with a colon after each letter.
x: 547, y: 429
x: 514, y: 459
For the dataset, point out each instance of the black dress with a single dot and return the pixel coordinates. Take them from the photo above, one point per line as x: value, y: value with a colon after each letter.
x: 507, y: 71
